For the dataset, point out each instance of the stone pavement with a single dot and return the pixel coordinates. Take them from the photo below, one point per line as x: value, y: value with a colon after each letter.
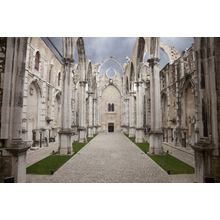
x: 109, y: 157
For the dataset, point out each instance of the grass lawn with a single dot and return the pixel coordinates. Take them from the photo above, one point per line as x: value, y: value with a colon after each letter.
x: 143, y: 146
x: 169, y: 163
x: 78, y: 146
x: 48, y: 165
x: 52, y: 163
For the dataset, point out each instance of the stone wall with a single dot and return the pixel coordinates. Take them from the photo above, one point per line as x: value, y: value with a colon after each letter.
x: 40, y: 121
x: 178, y: 100
x: 110, y: 93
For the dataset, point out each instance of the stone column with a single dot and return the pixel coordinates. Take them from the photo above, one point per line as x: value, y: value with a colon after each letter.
x: 95, y: 123
x: 131, y: 115
x: 203, y: 149
x: 178, y: 131
x: 82, y: 111
x: 168, y: 91
x: 14, y: 150
x: 139, y: 135
x: 90, y: 127
x: 65, y: 133
x: 98, y: 114
x: 148, y: 104
x: 126, y: 115
x: 156, y: 135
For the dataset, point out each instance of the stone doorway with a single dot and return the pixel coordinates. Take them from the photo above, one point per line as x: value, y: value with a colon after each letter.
x: 110, y: 127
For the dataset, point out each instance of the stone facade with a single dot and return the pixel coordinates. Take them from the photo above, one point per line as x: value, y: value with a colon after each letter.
x: 178, y: 100
x: 110, y: 99
x: 42, y: 94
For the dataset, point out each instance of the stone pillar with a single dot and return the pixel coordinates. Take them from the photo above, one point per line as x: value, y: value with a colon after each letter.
x: 148, y: 105
x: 14, y: 149
x: 98, y: 113
x: 177, y: 140
x: 82, y: 111
x: 139, y: 135
x: 131, y: 115
x: 156, y: 135
x: 65, y: 133
x: 95, y: 123
x: 203, y: 150
x: 126, y: 115
x: 90, y: 127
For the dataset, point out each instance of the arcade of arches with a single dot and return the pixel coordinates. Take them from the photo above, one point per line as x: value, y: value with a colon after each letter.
x: 47, y: 98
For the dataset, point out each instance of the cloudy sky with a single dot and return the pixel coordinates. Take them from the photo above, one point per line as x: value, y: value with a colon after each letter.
x: 100, y: 48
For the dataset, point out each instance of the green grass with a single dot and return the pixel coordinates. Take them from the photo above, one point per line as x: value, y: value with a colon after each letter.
x: 52, y: 163
x: 143, y: 146
x: 78, y: 146
x: 171, y: 164
x: 48, y: 165
x: 167, y: 162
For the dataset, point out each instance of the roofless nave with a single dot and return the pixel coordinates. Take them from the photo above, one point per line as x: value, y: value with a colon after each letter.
x: 48, y: 99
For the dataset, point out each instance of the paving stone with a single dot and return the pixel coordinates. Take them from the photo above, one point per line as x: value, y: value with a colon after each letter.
x: 107, y: 158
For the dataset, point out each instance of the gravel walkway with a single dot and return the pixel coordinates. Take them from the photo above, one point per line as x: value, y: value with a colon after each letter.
x: 108, y: 158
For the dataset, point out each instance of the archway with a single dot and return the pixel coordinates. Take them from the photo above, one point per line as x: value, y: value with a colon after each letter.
x: 188, y: 113
x: 34, y: 106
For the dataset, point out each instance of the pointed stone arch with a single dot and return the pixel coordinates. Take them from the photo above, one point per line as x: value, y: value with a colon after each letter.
x: 81, y: 58
x: 187, y: 83
x: 106, y: 86
x: 131, y: 75
x: 38, y: 86
x: 89, y: 76
x: 152, y: 46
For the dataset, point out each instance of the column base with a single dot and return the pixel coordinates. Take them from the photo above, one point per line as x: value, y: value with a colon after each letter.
x: 156, y: 142
x: 65, y: 142
x: 13, y: 161
x: 202, y: 160
x: 82, y: 135
x: 125, y: 129
x: 139, y: 135
x: 94, y: 130
x: 131, y: 132
x: 90, y: 132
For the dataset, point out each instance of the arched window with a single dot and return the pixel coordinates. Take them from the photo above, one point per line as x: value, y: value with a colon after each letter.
x: 37, y: 60
x: 113, y: 107
x: 59, y: 78
x: 109, y: 107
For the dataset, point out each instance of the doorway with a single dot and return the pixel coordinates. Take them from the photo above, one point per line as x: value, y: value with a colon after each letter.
x: 110, y: 127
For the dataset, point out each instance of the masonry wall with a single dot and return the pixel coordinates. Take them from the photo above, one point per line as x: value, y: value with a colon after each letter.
x: 42, y: 92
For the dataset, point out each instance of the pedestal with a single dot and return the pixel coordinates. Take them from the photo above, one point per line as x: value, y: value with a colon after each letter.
x: 125, y: 129
x: 139, y: 136
x: 202, y: 154
x: 65, y: 142
x: 156, y: 139
x: 17, y: 153
x: 82, y: 135
x: 131, y: 132
x: 90, y: 132
x: 95, y: 130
